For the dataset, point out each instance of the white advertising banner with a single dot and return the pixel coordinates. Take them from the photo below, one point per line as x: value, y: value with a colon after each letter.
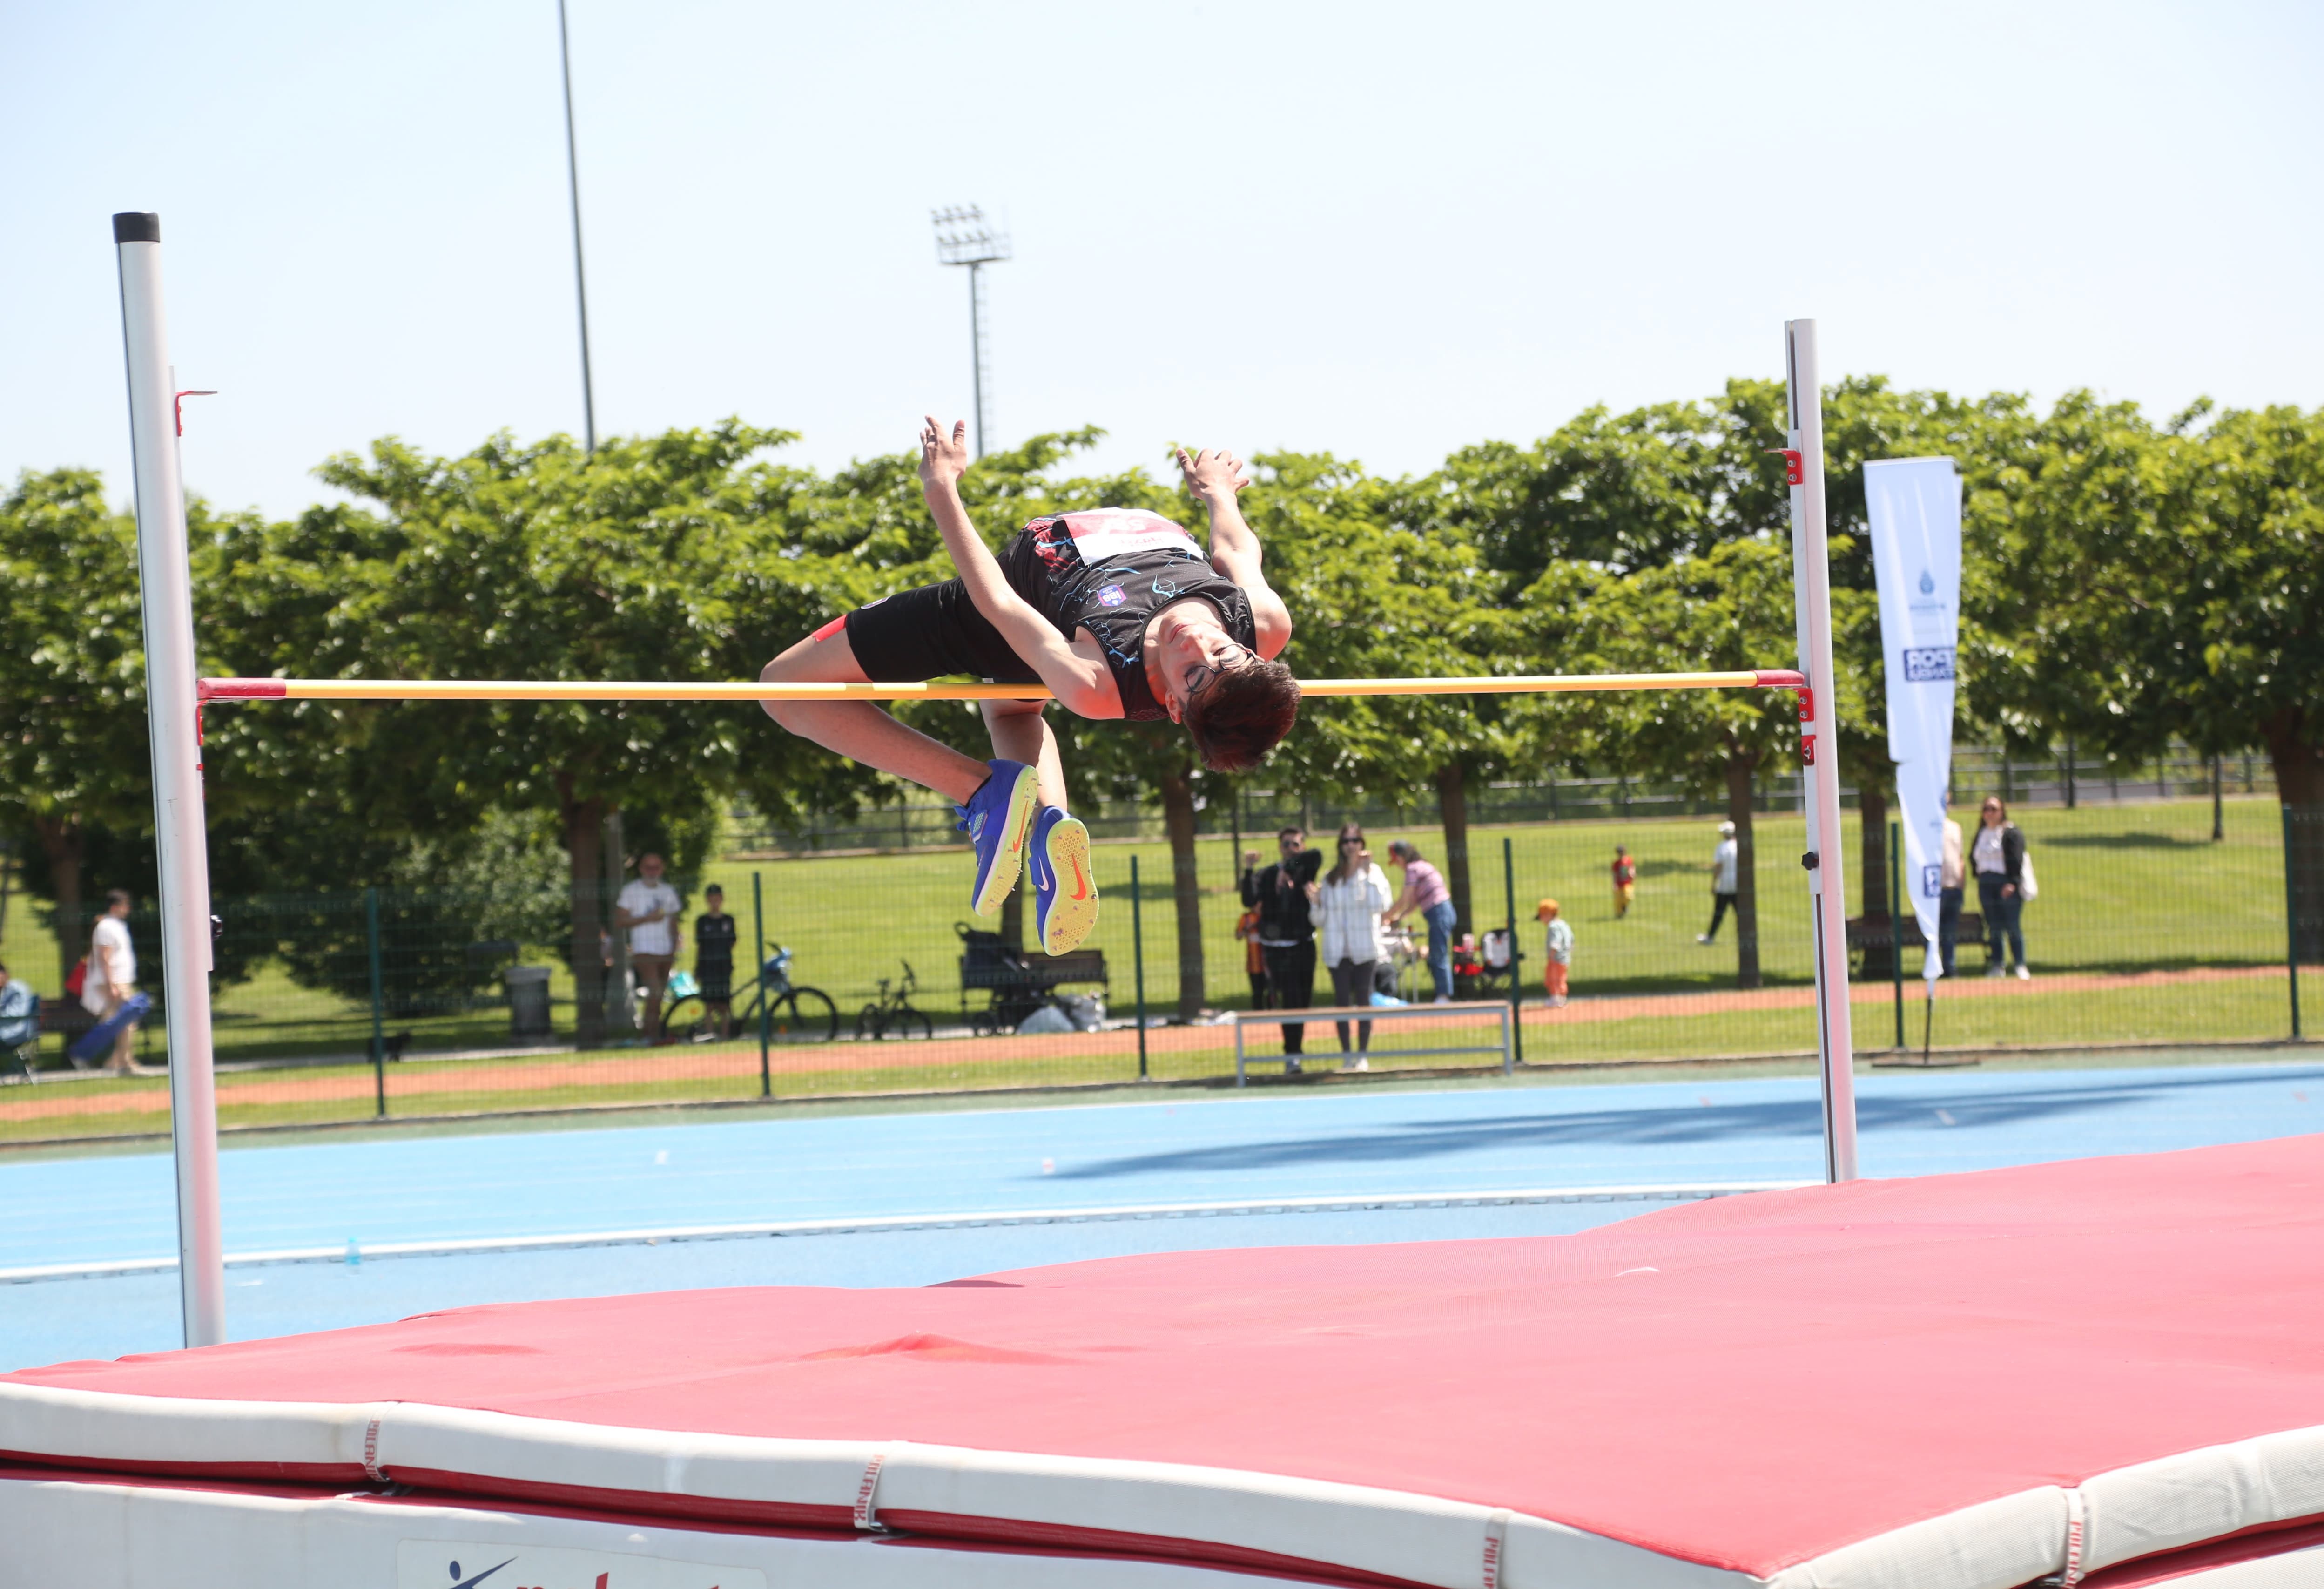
x: 1914, y: 505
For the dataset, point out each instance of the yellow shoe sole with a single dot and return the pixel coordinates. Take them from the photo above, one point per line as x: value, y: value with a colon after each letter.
x: 1073, y: 911
x: 1022, y: 801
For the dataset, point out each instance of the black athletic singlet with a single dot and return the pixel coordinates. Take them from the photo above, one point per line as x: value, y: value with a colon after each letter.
x: 1109, y: 571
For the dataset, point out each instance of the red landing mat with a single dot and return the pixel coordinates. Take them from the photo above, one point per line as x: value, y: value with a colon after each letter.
x: 1964, y: 1381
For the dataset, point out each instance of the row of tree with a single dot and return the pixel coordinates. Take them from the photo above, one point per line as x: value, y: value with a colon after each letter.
x: 2127, y: 583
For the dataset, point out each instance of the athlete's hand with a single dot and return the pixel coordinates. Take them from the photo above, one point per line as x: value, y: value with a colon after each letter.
x: 943, y: 459
x: 1212, y: 473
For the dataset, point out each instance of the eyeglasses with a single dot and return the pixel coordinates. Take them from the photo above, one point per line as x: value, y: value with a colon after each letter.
x: 1200, y: 675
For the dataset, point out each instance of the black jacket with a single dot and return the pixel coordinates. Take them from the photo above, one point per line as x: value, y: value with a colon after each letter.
x: 1281, y: 896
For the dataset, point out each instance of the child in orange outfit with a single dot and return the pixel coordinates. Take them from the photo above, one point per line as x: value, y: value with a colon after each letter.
x: 1626, y: 881
x: 1559, y: 955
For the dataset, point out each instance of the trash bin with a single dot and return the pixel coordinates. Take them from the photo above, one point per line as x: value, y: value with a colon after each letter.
x: 527, y: 997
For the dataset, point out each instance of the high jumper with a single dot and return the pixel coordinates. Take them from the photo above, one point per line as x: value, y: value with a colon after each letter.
x: 1118, y: 611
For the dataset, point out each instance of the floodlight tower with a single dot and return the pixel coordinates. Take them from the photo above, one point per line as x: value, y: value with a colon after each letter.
x: 963, y: 238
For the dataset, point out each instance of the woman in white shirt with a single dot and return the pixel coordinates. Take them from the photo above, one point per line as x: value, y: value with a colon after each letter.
x: 1346, y: 908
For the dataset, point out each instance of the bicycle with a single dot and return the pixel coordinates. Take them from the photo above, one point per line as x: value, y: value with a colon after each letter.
x: 894, y: 1010
x: 793, y: 1013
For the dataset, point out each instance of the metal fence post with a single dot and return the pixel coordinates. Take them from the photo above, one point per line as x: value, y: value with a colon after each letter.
x: 1516, y: 960
x: 2291, y: 919
x: 766, y: 1001
x: 378, y: 1043
x: 1137, y: 960
x: 1896, y: 925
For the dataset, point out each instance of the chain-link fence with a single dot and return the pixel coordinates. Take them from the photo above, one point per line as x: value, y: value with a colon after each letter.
x: 2145, y: 930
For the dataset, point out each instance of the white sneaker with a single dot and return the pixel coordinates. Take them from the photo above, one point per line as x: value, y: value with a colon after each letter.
x: 1702, y: 938
x: 1356, y: 1062
x: 1996, y: 969
x: 2024, y: 973
x: 1442, y: 998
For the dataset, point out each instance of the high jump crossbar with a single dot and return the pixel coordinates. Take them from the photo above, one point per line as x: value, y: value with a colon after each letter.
x: 588, y: 690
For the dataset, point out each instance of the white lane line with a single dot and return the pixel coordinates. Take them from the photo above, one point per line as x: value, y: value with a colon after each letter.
x: 879, y: 1224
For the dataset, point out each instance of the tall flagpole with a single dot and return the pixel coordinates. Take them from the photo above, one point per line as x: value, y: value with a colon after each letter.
x: 580, y: 280
x: 1820, y: 748
x: 166, y: 590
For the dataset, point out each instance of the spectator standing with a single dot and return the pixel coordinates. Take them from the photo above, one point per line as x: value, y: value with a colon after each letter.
x: 1999, y: 856
x: 1424, y: 893
x: 1722, y: 881
x: 1254, y: 955
x: 714, y: 959
x: 1625, y: 881
x: 1951, y: 877
x: 1559, y: 954
x: 112, y: 980
x: 1286, y: 938
x: 1347, y: 905
x: 18, y: 1027
x: 649, y: 908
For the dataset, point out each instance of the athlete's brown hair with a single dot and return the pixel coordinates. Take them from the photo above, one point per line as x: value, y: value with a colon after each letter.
x: 1244, y: 714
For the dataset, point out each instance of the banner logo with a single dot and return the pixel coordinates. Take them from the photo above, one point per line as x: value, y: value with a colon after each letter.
x: 1928, y: 664
x: 1933, y: 882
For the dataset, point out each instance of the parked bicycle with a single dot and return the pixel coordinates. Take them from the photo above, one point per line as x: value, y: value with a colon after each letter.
x: 894, y: 1011
x: 793, y: 1013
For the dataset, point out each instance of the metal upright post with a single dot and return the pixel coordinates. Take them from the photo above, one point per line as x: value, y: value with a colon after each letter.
x: 165, y: 583
x: 1137, y: 960
x: 2291, y: 916
x: 378, y: 1041
x: 1820, y: 748
x: 1516, y: 960
x: 766, y: 1000
x: 580, y: 278
x: 1897, y: 925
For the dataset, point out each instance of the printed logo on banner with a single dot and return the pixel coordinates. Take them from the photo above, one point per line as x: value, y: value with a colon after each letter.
x: 435, y: 1564
x: 1928, y: 664
x: 1933, y: 882
x: 1928, y: 583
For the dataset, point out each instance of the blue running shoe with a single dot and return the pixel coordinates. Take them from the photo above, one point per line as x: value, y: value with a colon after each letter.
x: 995, y: 819
x: 1065, y: 891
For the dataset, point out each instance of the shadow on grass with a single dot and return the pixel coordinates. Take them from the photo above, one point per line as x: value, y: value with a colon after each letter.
x: 1421, y: 1141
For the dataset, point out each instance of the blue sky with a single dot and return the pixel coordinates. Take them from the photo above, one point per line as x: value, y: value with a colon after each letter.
x: 1383, y: 231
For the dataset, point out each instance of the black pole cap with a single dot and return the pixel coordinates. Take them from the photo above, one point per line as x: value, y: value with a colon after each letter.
x: 136, y: 225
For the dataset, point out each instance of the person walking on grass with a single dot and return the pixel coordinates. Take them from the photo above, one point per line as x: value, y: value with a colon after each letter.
x: 1346, y: 906
x: 1286, y: 938
x: 649, y: 908
x: 714, y: 959
x: 1625, y: 881
x: 1999, y: 856
x: 1722, y: 881
x: 1424, y: 893
x: 1559, y: 954
x: 110, y: 993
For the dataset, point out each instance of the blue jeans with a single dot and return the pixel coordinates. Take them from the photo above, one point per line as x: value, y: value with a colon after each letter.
x: 1439, y: 919
x: 2000, y: 916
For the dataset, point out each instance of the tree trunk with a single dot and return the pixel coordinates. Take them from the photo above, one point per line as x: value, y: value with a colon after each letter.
x: 1012, y: 915
x: 1872, y: 806
x: 2300, y: 784
x: 1741, y: 765
x: 1453, y: 812
x: 1185, y: 888
x: 61, y: 841
x: 583, y: 822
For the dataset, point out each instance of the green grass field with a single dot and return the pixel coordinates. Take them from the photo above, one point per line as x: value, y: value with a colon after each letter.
x: 2125, y: 889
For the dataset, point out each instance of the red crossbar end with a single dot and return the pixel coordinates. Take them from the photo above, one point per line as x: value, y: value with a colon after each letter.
x: 240, y: 690
x: 1782, y: 678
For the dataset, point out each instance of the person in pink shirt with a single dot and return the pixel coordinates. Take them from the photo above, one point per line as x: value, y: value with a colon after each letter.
x: 1425, y: 893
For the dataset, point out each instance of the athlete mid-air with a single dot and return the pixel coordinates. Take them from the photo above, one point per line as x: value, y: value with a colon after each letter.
x: 1116, y: 610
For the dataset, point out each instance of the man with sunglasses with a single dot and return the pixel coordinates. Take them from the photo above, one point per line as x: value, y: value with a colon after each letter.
x: 1282, y: 894
x: 1118, y: 611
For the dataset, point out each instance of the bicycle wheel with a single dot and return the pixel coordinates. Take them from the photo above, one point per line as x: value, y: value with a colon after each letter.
x: 803, y: 1015
x: 909, y: 1021
x: 685, y: 1019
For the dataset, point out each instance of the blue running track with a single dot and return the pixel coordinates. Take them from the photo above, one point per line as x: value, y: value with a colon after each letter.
x: 1355, y: 1143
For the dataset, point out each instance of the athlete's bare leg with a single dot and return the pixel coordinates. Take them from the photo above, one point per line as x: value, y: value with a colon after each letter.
x: 861, y: 731
x: 1020, y: 732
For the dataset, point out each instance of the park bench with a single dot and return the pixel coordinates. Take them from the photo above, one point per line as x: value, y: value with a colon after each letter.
x: 1016, y: 984
x: 1871, y: 940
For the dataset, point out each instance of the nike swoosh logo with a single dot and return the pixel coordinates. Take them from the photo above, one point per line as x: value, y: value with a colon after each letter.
x: 1081, y: 884
x: 480, y: 1577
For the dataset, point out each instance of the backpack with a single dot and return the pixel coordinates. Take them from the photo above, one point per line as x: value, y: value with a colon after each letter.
x: 2026, y: 887
x: 77, y: 978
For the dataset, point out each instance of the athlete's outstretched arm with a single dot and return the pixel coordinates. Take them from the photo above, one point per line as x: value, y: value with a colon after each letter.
x: 1214, y: 476
x: 1081, y: 685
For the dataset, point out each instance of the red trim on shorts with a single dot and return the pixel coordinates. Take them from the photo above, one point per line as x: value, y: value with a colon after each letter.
x: 830, y: 629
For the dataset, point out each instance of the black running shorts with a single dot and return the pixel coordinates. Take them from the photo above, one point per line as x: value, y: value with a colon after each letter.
x: 931, y: 633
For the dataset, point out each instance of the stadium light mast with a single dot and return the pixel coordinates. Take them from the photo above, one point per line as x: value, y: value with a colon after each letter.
x: 580, y: 281
x: 964, y: 238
